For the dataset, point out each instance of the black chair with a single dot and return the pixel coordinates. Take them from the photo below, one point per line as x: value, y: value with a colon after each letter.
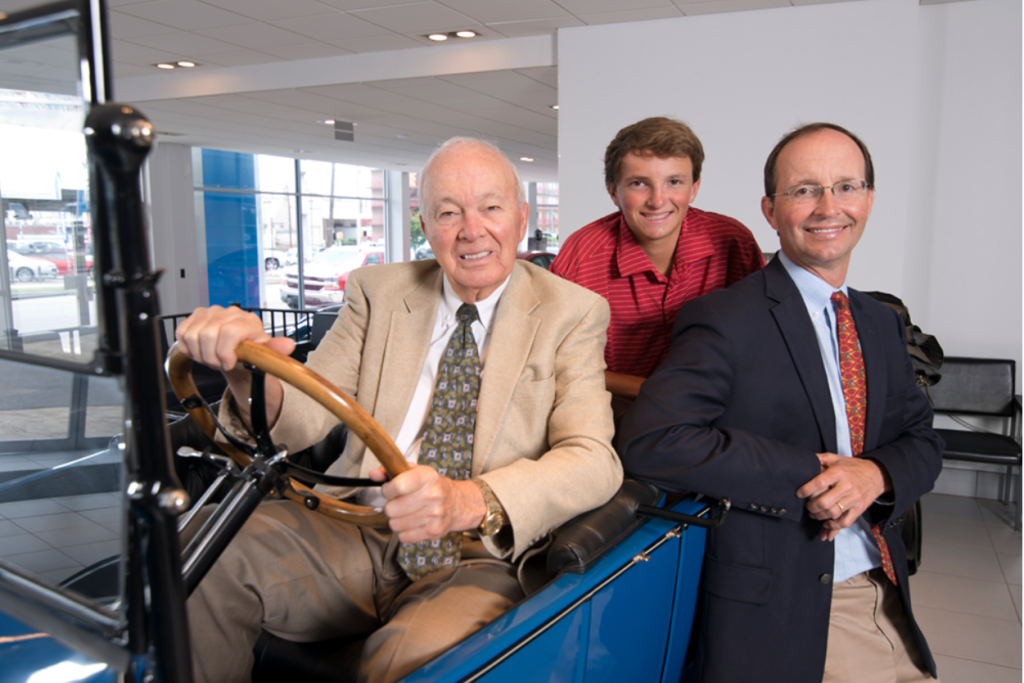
x: 985, y: 388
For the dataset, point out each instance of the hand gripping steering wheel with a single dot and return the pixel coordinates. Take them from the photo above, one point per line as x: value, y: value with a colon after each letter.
x: 341, y: 405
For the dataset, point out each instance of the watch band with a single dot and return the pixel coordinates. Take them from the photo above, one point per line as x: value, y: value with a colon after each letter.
x: 494, y: 518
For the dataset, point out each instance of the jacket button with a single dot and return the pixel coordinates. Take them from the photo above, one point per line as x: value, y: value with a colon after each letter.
x: 764, y: 509
x: 825, y: 578
x: 753, y: 506
x: 782, y: 511
x: 774, y: 511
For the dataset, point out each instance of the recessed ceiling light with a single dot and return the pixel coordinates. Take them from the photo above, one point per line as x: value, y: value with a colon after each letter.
x: 438, y: 37
x: 329, y: 122
x: 302, y: 151
x: 554, y: 106
x: 164, y: 66
x: 186, y: 64
x: 525, y: 158
x: 402, y: 136
x: 466, y: 34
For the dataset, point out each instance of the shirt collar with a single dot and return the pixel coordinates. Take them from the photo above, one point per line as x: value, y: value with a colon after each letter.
x: 450, y: 302
x: 816, y: 293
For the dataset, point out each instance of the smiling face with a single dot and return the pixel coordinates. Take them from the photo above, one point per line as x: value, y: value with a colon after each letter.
x: 472, y: 218
x: 819, y: 236
x: 654, y: 194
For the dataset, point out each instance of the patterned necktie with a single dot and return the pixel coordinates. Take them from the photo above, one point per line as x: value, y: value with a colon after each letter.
x: 851, y: 366
x: 447, y: 443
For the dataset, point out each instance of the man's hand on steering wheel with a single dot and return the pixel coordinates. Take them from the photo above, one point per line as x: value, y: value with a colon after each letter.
x: 423, y: 505
x: 211, y: 336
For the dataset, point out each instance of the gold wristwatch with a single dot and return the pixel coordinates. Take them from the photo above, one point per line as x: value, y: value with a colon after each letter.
x: 494, y: 519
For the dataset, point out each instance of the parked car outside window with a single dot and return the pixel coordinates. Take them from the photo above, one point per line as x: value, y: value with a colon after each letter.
x: 325, y: 276
x: 29, y: 268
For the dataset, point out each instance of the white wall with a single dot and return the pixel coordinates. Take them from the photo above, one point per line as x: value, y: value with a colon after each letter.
x: 934, y: 91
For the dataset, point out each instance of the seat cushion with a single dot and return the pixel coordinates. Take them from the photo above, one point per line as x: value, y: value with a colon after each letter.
x: 980, y: 447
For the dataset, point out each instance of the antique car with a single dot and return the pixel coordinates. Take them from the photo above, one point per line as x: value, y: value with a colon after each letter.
x: 93, y: 578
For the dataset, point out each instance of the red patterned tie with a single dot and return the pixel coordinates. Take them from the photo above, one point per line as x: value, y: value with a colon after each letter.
x: 851, y: 366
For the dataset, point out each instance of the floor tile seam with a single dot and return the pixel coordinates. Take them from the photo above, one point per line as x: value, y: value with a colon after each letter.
x: 960, y: 612
x: 923, y: 571
x: 10, y: 558
x: 961, y: 576
x: 978, y: 661
x: 987, y: 664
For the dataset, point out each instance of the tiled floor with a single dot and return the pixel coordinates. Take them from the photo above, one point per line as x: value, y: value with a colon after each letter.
x: 56, y: 537
x: 967, y: 593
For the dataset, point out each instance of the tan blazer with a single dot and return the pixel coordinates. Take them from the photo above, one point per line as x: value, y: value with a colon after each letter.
x: 544, y: 426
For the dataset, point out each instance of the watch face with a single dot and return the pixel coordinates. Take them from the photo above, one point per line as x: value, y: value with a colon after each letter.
x: 492, y: 522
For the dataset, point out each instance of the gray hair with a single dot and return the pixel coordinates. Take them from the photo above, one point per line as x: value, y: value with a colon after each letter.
x: 459, y: 141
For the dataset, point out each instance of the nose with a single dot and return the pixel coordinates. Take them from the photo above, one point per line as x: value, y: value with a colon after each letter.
x: 656, y: 197
x: 828, y: 204
x: 472, y: 226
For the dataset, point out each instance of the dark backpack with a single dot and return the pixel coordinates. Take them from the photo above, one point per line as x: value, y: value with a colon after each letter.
x: 925, y: 352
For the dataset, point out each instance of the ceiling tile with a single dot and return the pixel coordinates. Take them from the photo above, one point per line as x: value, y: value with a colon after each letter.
x: 126, y: 26
x: 548, y: 75
x: 581, y: 7
x: 270, y: 10
x: 421, y: 17
x: 489, y: 11
x: 350, y: 5
x: 123, y: 51
x: 518, y: 29
x: 669, y: 12
x: 186, y: 15
x: 717, y: 6
x: 333, y: 27
x: 255, y: 35
x: 184, y: 44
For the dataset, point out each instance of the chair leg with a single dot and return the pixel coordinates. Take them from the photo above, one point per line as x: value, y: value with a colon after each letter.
x: 1017, y: 515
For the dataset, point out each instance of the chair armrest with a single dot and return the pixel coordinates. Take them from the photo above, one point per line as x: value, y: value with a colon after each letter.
x: 583, y: 540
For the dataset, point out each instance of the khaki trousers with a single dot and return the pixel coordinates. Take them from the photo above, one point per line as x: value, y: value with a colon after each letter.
x: 305, y: 577
x: 869, y: 638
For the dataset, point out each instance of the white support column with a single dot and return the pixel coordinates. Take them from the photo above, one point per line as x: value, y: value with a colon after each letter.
x: 397, y: 216
x: 177, y: 246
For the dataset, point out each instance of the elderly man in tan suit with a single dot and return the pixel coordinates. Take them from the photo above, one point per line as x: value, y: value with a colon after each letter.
x: 540, y: 447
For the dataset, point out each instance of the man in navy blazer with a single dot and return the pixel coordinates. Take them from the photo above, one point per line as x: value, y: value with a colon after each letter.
x: 749, y: 406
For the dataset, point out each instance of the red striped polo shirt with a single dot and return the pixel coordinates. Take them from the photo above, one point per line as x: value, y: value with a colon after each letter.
x: 714, y: 251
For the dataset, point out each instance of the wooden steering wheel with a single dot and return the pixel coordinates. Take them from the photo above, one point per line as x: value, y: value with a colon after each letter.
x: 179, y: 370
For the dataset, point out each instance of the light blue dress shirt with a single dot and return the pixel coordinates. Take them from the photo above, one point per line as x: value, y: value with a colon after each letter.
x: 856, y: 550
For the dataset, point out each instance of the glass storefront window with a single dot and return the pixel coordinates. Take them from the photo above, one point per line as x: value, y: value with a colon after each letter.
x: 301, y: 209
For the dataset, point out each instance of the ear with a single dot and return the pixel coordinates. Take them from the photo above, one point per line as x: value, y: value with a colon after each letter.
x: 693, y: 190
x: 611, y: 193
x: 768, y: 209
x: 524, y: 223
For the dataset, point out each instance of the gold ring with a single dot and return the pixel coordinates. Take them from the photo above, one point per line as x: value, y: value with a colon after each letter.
x: 840, y: 505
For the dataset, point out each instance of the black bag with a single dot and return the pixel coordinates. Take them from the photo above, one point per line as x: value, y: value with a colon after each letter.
x: 925, y: 352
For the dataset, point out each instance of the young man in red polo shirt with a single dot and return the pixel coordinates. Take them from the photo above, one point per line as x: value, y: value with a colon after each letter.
x: 656, y: 252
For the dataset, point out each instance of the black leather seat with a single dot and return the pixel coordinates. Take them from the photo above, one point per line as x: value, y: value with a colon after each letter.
x: 982, y: 388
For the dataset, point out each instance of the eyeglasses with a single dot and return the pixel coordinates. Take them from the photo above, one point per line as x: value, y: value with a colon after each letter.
x: 806, y: 193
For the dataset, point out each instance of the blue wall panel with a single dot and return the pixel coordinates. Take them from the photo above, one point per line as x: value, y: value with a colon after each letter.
x: 232, y: 249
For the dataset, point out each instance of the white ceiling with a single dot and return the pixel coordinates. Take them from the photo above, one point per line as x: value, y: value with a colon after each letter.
x: 269, y: 70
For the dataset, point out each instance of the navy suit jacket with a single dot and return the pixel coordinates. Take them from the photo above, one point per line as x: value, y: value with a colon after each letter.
x: 738, y: 410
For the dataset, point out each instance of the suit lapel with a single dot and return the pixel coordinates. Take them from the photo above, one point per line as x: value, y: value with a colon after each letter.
x: 408, y: 341
x: 796, y: 328
x: 511, y: 341
x: 874, y: 367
